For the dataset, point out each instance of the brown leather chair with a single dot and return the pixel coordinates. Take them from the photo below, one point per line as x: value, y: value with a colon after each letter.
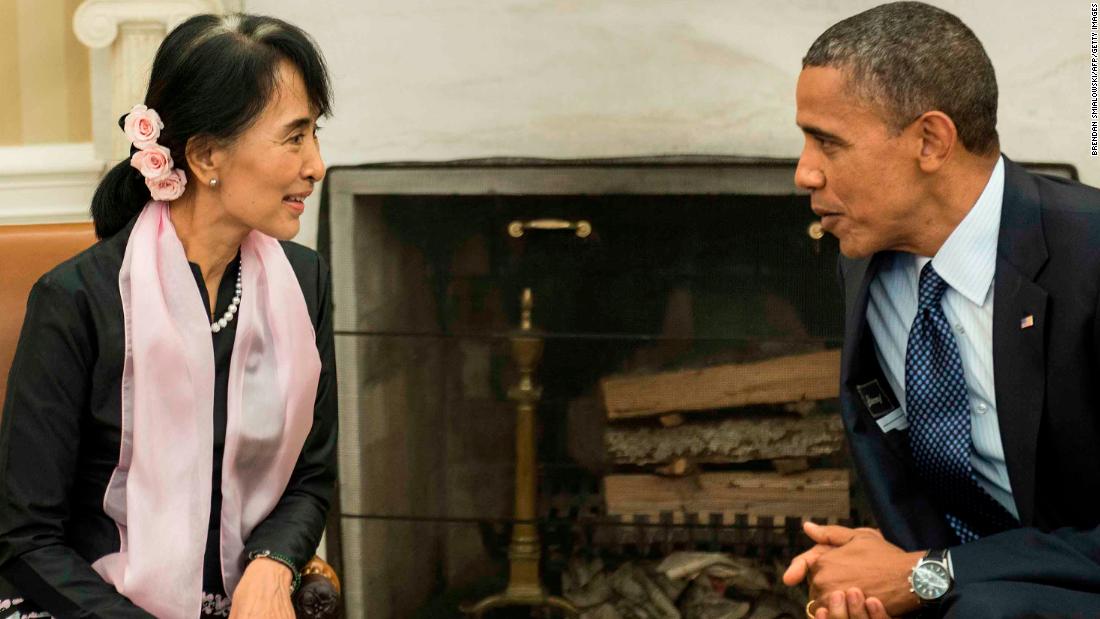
x: 26, y: 253
x: 29, y: 251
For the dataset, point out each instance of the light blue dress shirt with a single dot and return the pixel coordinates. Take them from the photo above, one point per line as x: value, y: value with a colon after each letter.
x: 966, y: 261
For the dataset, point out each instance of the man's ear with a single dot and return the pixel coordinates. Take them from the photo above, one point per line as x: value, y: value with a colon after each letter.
x: 203, y: 155
x: 938, y: 137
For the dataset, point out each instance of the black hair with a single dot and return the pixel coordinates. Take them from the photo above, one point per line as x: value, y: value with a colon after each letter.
x: 212, y: 77
x: 908, y: 58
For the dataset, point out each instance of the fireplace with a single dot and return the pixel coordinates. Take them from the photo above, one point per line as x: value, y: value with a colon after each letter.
x: 688, y: 423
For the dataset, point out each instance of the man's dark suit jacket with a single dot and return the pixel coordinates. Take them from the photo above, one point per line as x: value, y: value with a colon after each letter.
x: 1047, y: 384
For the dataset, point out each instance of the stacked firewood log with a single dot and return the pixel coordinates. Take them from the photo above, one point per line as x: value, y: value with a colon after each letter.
x: 733, y: 439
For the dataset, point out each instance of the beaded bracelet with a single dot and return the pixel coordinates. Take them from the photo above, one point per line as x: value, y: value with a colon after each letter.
x: 285, y: 560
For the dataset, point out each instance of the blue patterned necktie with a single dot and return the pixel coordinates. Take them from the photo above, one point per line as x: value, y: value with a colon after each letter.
x: 938, y: 410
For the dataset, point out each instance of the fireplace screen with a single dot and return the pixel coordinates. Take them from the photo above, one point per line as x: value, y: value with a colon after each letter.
x: 690, y: 323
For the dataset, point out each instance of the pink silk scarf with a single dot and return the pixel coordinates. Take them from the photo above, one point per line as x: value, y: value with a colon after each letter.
x: 159, y: 494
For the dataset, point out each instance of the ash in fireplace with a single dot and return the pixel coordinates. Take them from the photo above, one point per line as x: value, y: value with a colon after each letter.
x: 685, y: 585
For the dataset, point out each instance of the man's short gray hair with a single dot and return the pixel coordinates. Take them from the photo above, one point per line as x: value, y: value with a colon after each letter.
x: 908, y: 58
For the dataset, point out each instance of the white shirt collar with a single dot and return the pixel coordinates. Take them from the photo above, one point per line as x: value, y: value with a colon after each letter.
x: 968, y: 257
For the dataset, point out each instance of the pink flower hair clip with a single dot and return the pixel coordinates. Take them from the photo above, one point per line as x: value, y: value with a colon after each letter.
x: 165, y: 182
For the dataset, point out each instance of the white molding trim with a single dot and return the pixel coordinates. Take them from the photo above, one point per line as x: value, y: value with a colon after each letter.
x: 47, y: 182
x: 96, y: 21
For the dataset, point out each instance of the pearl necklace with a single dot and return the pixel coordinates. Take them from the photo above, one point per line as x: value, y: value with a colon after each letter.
x: 227, y: 317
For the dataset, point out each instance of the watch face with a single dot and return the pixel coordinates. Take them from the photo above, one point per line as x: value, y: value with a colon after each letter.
x: 931, y: 581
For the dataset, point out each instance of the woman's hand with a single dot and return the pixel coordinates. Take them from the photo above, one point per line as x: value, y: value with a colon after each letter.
x: 264, y: 592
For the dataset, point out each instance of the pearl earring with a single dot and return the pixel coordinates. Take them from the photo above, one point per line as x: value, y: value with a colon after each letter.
x: 213, y: 183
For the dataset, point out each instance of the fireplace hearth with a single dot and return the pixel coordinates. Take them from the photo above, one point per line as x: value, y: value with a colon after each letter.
x: 689, y: 378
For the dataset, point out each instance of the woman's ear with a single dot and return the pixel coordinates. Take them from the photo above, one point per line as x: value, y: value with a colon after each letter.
x: 203, y: 158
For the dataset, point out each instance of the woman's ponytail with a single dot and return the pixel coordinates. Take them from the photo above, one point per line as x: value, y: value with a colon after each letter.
x: 118, y: 198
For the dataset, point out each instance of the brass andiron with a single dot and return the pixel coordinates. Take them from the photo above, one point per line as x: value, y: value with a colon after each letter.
x: 524, y: 584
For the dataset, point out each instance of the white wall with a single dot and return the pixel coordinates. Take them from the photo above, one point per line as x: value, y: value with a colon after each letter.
x: 445, y: 79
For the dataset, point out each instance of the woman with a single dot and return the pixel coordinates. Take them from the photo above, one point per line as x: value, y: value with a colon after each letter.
x: 146, y: 470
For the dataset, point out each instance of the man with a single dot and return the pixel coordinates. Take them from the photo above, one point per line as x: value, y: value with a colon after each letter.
x: 970, y: 382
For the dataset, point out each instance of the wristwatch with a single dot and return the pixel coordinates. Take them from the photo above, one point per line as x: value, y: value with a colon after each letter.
x: 931, y: 578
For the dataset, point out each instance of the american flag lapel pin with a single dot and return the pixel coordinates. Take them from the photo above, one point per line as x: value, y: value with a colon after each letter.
x: 1027, y: 322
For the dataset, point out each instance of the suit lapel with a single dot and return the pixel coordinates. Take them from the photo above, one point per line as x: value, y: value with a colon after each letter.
x: 857, y: 284
x: 1019, y: 323
x: 904, y: 512
x: 861, y: 364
